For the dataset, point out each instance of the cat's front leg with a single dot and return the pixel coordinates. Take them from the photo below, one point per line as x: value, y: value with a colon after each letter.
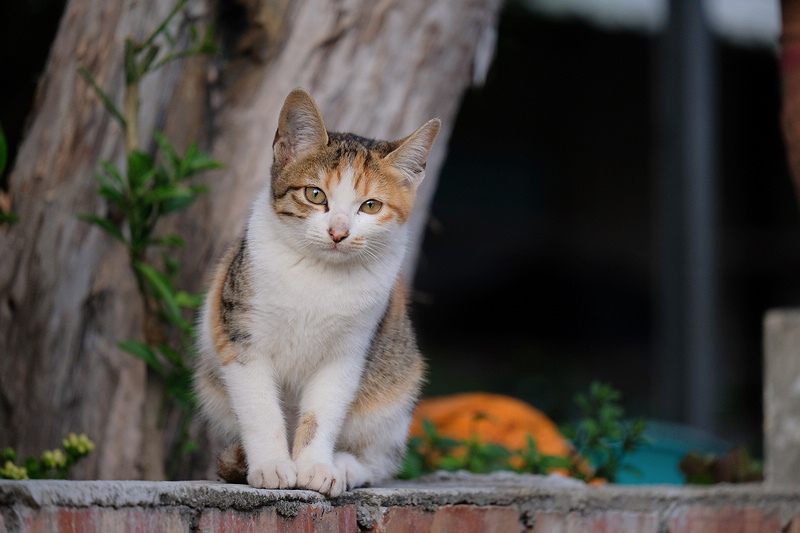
x: 255, y: 400
x: 325, y: 401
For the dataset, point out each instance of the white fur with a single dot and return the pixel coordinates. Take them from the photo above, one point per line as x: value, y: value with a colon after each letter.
x: 315, y: 310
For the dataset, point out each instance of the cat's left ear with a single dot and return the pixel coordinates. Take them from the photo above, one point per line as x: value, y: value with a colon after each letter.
x: 412, y: 152
x: 300, y: 128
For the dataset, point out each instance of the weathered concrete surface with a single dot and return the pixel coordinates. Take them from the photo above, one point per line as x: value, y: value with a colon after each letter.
x: 782, y: 398
x: 444, y: 502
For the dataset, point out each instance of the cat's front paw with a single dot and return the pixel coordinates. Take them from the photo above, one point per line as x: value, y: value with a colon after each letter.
x: 320, y: 477
x: 273, y: 475
x: 355, y: 473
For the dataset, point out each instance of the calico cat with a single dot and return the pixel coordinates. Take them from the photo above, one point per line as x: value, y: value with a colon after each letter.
x: 308, y: 367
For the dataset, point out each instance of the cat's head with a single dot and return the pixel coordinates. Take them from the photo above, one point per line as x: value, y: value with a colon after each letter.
x: 339, y: 196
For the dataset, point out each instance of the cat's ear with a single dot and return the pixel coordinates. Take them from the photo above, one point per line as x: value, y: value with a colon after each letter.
x: 411, y: 153
x: 300, y: 128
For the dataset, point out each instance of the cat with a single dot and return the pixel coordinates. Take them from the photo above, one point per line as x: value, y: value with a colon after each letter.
x: 308, y: 367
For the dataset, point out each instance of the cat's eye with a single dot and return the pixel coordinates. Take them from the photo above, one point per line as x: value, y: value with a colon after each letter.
x: 316, y: 196
x: 371, y: 207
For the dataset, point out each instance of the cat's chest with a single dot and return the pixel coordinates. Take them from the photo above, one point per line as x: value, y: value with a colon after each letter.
x: 305, y: 311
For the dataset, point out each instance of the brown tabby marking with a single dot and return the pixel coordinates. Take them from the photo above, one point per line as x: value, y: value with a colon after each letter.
x: 232, y: 464
x: 373, y: 177
x: 393, y: 368
x: 231, y: 290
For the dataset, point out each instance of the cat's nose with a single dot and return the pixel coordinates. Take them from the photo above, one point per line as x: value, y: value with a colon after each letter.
x: 337, y: 236
x: 339, y: 228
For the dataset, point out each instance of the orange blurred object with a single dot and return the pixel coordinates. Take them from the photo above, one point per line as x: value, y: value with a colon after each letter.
x: 494, y: 418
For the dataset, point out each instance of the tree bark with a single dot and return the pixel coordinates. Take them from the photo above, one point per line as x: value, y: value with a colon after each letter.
x: 67, y: 295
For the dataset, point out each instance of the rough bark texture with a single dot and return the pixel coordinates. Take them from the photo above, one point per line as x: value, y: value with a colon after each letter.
x: 66, y: 293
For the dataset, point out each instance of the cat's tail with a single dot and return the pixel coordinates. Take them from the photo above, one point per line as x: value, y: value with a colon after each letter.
x: 232, y: 464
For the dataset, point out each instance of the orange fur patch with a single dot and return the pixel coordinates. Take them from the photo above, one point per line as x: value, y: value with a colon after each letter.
x: 219, y: 337
x: 305, y: 433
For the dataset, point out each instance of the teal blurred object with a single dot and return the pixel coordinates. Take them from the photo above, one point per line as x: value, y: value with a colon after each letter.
x: 657, y: 462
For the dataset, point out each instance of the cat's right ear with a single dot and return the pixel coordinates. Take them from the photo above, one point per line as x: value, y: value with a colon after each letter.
x: 411, y: 153
x: 300, y: 128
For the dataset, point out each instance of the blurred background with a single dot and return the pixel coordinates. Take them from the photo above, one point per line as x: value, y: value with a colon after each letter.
x: 615, y: 205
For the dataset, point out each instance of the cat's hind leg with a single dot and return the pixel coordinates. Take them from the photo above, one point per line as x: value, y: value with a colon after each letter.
x: 372, y: 444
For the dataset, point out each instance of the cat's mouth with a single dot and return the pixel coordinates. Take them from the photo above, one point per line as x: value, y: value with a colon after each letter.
x: 337, y: 248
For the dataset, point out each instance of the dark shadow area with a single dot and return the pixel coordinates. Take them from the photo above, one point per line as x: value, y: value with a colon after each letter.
x: 538, y: 271
x: 27, y: 30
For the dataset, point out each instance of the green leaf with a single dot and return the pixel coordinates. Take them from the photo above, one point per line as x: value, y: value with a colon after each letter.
x: 161, y: 27
x: 169, y: 192
x: 144, y: 65
x: 168, y: 150
x: 8, y: 218
x: 172, y: 265
x: 179, y: 386
x: 188, y: 300
x: 143, y: 352
x: 183, y: 199
x: 200, y: 162
x: 208, y: 46
x: 172, y: 355
x: 429, y: 429
x: 413, y: 465
x: 109, y: 105
x: 112, y: 172
x: 169, y: 240
x: 140, y: 169
x: 103, y: 224
x: 450, y: 463
x: 110, y: 190
x: 188, y: 156
x: 161, y: 286
x: 8, y: 454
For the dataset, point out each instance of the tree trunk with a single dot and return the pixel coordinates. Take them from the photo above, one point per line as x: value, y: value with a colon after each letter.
x: 67, y: 295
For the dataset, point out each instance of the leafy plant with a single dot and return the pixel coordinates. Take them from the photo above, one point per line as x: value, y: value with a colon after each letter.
x: 138, y: 197
x: 535, y: 462
x: 602, y: 436
x: 424, y: 454
x: 601, y: 440
x: 53, y: 464
x: 735, y: 466
x: 434, y: 452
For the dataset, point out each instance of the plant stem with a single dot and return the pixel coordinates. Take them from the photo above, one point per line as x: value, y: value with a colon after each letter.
x: 132, y: 117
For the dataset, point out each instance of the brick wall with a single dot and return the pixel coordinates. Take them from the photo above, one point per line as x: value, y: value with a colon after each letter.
x: 446, y: 503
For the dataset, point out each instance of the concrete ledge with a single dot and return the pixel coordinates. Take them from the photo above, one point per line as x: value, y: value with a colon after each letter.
x: 501, y: 502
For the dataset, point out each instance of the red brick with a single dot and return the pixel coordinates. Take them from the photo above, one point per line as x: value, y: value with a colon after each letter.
x: 794, y: 526
x: 405, y: 520
x: 316, y: 520
x: 616, y: 521
x: 475, y: 519
x: 100, y: 520
x: 549, y: 522
x: 310, y: 518
x: 694, y: 520
x: 216, y: 520
x: 755, y: 521
x: 724, y: 520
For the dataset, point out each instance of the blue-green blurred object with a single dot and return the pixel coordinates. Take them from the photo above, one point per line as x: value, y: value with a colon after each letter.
x: 657, y: 462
